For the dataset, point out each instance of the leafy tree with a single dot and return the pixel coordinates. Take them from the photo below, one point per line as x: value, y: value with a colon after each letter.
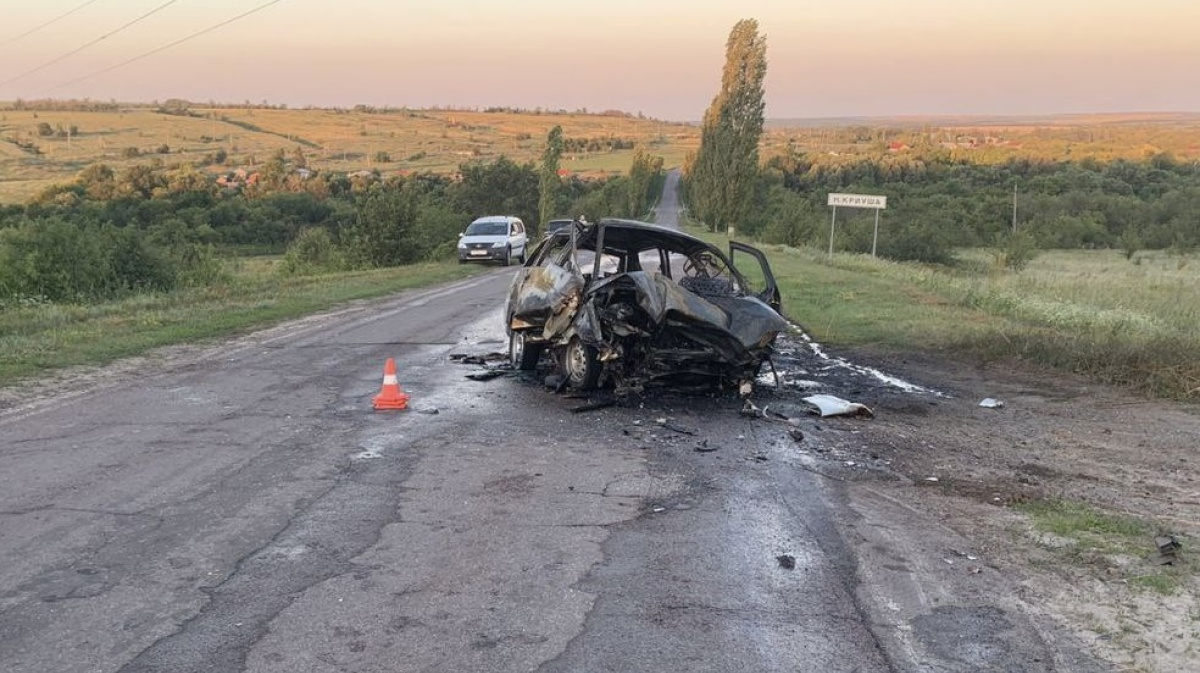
x: 379, y: 236
x: 99, y: 182
x: 722, y: 175
x: 139, y: 181
x: 644, y: 172
x: 548, y: 182
x: 313, y: 251
x: 500, y: 187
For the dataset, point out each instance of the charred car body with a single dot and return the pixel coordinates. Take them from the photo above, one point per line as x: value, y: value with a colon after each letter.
x: 630, y: 304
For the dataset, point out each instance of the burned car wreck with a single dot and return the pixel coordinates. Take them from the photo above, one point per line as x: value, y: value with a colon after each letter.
x: 628, y: 304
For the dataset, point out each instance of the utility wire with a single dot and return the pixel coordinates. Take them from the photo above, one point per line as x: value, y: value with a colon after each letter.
x: 105, y: 36
x: 35, y: 29
x: 166, y: 46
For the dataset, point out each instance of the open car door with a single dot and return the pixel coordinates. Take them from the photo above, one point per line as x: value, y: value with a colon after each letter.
x: 751, y: 264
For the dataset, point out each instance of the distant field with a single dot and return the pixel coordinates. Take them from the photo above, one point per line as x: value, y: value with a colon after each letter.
x: 395, y: 141
x: 987, y: 140
x: 440, y: 140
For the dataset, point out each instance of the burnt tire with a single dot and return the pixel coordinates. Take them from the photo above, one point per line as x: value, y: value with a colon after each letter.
x: 580, y: 364
x: 523, y: 355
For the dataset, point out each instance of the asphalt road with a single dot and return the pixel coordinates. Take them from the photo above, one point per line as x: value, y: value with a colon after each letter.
x: 242, y: 508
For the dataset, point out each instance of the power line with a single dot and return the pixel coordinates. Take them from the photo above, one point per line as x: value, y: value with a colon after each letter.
x: 35, y: 29
x: 166, y: 46
x: 105, y: 36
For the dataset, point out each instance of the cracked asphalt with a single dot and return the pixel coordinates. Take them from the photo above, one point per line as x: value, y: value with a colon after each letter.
x: 245, y: 509
x: 241, y: 508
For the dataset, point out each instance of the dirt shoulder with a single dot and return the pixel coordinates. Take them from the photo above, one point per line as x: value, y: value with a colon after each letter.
x: 980, y: 478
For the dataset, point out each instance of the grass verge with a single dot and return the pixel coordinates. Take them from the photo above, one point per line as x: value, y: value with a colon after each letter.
x: 1092, y: 312
x: 34, y: 339
x: 1117, y: 546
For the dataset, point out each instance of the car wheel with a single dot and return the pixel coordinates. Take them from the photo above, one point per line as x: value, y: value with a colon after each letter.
x: 507, y: 257
x: 580, y: 364
x: 524, y: 356
x: 522, y: 257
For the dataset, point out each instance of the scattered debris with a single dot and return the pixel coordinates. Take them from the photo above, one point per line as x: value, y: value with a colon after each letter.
x: 963, y: 554
x: 750, y: 410
x: 796, y: 435
x: 991, y: 403
x: 485, y: 375
x: 1168, y: 550
x: 674, y: 427
x: 593, y: 406
x: 703, y: 447
x: 429, y: 411
x: 829, y: 405
x: 786, y: 561
x: 463, y: 358
x: 933, y: 480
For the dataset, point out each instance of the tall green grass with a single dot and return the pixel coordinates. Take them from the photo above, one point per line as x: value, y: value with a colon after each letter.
x: 1128, y: 322
x: 40, y: 337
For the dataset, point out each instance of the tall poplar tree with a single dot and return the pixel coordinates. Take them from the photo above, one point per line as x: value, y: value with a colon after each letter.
x: 721, y: 176
x: 548, y: 184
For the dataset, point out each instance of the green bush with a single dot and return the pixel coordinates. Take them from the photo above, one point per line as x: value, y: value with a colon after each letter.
x: 56, y: 260
x: 1014, y: 251
x: 314, y: 251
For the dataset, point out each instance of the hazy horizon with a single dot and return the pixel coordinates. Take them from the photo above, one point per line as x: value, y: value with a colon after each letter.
x: 863, y: 58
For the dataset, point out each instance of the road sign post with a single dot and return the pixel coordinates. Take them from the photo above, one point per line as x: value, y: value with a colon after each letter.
x: 872, y: 201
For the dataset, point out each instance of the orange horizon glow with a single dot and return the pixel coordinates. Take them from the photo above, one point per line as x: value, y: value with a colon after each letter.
x: 855, y: 58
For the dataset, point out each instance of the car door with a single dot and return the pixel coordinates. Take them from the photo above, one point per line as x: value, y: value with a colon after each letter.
x: 752, y: 265
x: 517, y: 238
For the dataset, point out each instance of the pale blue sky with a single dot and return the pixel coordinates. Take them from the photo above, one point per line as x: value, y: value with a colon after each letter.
x: 660, y: 57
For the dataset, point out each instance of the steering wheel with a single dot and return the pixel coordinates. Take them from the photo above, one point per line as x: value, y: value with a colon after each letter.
x: 698, y: 266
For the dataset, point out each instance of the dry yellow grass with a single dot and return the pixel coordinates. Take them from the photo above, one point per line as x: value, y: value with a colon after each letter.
x: 417, y: 140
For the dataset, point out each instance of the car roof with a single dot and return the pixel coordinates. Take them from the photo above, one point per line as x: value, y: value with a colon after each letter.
x: 493, y: 218
x: 636, y: 236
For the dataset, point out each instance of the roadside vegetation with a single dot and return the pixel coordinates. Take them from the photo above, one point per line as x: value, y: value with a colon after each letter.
x: 36, y: 337
x: 1114, y: 544
x: 118, y: 261
x: 1129, y: 322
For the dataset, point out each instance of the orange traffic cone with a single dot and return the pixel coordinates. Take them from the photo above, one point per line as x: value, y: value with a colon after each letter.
x: 391, y: 396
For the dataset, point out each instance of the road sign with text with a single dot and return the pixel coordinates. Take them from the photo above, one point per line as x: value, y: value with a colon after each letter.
x: 858, y: 201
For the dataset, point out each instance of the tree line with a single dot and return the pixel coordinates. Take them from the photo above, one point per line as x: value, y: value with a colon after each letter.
x: 937, y: 204
x: 938, y: 200
x: 153, y: 228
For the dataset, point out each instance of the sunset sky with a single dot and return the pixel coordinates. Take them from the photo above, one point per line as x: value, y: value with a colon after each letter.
x: 660, y: 57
